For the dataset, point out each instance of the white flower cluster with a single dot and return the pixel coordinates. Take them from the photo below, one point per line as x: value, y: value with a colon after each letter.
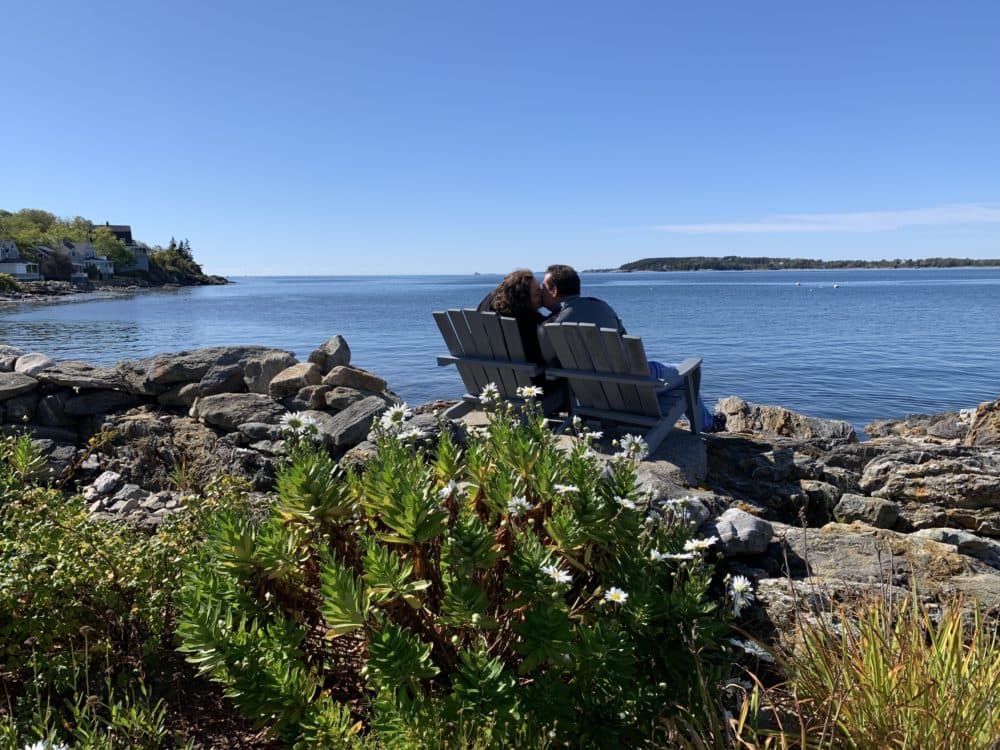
x: 490, y: 394
x: 393, y: 418
x: 741, y: 592
x: 633, y: 447
x: 557, y: 574
x: 299, y: 425
x: 626, y: 503
x: 565, y: 489
x: 46, y: 745
x: 517, y: 506
x: 752, y: 648
x: 529, y: 391
x: 657, y: 556
x: 699, y: 545
x: 449, y: 491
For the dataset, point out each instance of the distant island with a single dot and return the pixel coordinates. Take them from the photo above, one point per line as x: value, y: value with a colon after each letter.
x: 738, y: 263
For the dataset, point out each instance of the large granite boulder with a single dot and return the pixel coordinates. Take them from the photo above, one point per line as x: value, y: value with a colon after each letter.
x: 874, y: 511
x: 14, y: 384
x: 80, y: 375
x: 953, y: 476
x: 291, y: 380
x: 8, y: 357
x: 261, y: 368
x: 740, y: 532
x: 350, y: 426
x: 757, y: 419
x: 934, y: 428
x: 354, y: 377
x: 99, y: 402
x: 985, y: 429
x: 228, y: 411
x: 222, y: 379
x: 331, y: 353
x: 154, y: 375
x: 33, y: 363
x: 19, y: 409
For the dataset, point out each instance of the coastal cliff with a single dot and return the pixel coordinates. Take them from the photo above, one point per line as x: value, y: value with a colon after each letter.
x: 797, y: 503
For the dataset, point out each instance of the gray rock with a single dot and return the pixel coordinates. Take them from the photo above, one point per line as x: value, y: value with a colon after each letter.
x: 41, y: 432
x: 124, y: 506
x: 260, y: 431
x: 154, y: 375
x: 20, y: 408
x: 353, y: 377
x: 965, y: 542
x: 181, y: 396
x: 52, y: 410
x: 130, y: 492
x: 99, y: 402
x: 229, y: 410
x: 351, y: 426
x: 259, y: 370
x: 222, y: 379
x: 76, y: 374
x: 874, y: 511
x: 332, y: 353
x: 291, y: 380
x: 985, y: 429
x: 340, y: 398
x: 955, y: 477
x: 743, y: 416
x: 8, y: 357
x: 14, y: 384
x: 32, y: 364
x: 108, y: 483
x: 310, y: 397
x: 96, y: 506
x: 740, y: 532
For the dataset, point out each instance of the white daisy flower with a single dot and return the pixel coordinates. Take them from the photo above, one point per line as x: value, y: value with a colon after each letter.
x: 290, y: 421
x: 741, y: 591
x: 577, y: 422
x: 393, y: 418
x: 752, y: 648
x: 632, y: 446
x: 596, y: 435
x: 699, y: 545
x: 414, y: 433
x: 626, y: 503
x: 557, y: 574
x: 518, y: 505
x: 490, y: 393
x: 565, y: 489
x: 615, y: 595
x: 46, y: 745
x: 529, y: 391
x: 449, y: 490
x: 656, y: 556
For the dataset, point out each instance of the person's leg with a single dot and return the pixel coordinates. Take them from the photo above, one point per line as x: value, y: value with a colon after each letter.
x: 671, y: 376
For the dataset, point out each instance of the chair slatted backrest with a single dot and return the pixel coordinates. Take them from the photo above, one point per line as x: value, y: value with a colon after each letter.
x: 612, y: 368
x: 486, y: 348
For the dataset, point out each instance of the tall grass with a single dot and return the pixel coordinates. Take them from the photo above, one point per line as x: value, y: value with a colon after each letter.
x: 902, y: 677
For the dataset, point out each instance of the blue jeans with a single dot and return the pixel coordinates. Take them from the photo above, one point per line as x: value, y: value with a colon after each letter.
x: 669, y: 373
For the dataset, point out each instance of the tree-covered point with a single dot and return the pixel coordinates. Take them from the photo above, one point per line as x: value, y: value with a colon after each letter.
x: 739, y: 263
x: 31, y: 228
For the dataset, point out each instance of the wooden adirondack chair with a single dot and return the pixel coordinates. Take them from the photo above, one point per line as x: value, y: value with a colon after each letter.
x: 486, y: 348
x: 609, y: 379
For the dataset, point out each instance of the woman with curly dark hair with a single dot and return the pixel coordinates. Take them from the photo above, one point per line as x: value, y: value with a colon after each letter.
x: 519, y: 296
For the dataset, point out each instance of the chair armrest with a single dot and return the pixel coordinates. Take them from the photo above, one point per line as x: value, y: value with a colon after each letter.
x: 688, y: 365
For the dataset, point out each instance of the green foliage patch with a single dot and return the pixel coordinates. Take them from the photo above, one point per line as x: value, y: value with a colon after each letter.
x: 505, y: 584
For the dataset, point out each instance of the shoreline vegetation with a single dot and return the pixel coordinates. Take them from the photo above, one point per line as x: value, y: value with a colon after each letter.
x: 54, y: 256
x: 764, y: 263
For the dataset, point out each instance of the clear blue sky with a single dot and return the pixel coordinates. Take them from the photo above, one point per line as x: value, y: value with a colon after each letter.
x: 431, y: 137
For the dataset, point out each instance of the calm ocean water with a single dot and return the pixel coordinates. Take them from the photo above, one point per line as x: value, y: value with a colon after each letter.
x: 854, y: 345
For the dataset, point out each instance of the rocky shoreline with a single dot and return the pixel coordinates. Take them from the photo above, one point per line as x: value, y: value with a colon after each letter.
x: 54, y: 291
x: 797, y: 503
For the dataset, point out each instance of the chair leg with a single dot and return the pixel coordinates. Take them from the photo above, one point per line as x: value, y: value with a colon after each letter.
x: 656, y: 435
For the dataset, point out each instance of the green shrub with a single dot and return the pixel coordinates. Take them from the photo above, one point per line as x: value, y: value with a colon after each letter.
x: 508, y: 585
x: 81, y: 595
x: 8, y: 283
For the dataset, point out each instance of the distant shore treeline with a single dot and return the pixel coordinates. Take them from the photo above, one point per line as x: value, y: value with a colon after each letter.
x: 738, y: 263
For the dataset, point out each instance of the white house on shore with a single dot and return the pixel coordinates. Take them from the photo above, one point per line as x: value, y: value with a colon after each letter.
x: 11, y: 263
x: 83, y: 256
